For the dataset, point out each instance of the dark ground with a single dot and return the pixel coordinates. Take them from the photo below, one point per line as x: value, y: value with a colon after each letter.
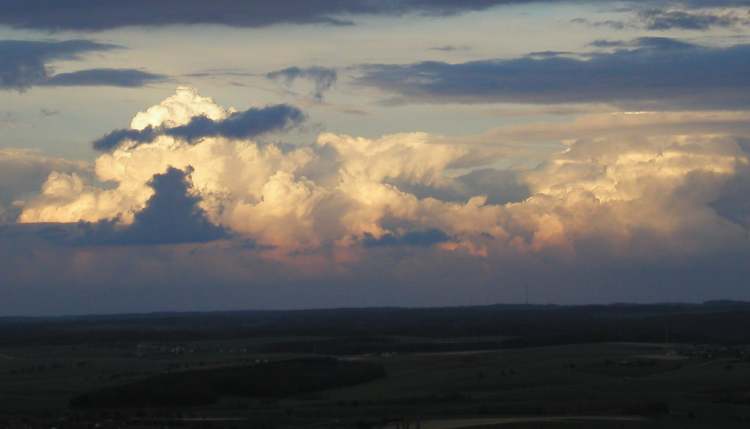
x: 620, y: 366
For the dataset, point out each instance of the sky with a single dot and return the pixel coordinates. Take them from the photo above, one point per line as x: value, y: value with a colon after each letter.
x: 196, y: 156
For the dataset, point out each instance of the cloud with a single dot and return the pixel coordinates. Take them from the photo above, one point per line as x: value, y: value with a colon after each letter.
x: 411, y: 238
x: 241, y: 125
x: 622, y: 180
x: 188, y: 116
x: 282, y: 196
x: 500, y: 186
x: 114, y: 138
x: 126, y: 78
x: 661, y: 19
x: 644, y: 74
x: 23, y: 171
x: 48, y: 112
x: 650, y: 43
x: 610, y: 23
x: 662, y: 16
x: 638, y: 205
x: 618, y: 124
x: 450, y: 48
x: 26, y: 64
x: 80, y: 15
x: 546, y: 54
x: 171, y: 215
x: 248, y: 124
x: 322, y: 78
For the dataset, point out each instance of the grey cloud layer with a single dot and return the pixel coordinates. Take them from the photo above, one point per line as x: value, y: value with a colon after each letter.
x: 24, y: 64
x: 126, y: 78
x: 86, y: 15
x: 649, y: 73
x: 248, y: 124
x: 95, y: 16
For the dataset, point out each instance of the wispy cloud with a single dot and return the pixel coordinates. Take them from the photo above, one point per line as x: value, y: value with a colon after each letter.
x: 322, y: 78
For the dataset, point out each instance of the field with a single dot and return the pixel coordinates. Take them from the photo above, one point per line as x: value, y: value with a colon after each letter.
x: 374, y: 378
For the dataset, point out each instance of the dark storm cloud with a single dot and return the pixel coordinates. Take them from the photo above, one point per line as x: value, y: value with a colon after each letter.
x: 86, y: 15
x: 323, y: 78
x: 425, y: 238
x: 645, y: 73
x: 171, y: 215
x: 248, y: 124
x: 24, y: 64
x: 113, y: 139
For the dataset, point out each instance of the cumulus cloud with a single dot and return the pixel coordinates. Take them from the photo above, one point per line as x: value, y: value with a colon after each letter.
x: 322, y: 78
x: 22, y: 172
x: 637, y: 204
x: 607, y: 193
x: 284, y: 196
x: 644, y: 74
x: 26, y: 64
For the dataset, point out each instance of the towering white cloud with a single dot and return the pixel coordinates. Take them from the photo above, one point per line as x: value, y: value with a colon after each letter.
x: 178, y: 109
x: 609, y: 191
